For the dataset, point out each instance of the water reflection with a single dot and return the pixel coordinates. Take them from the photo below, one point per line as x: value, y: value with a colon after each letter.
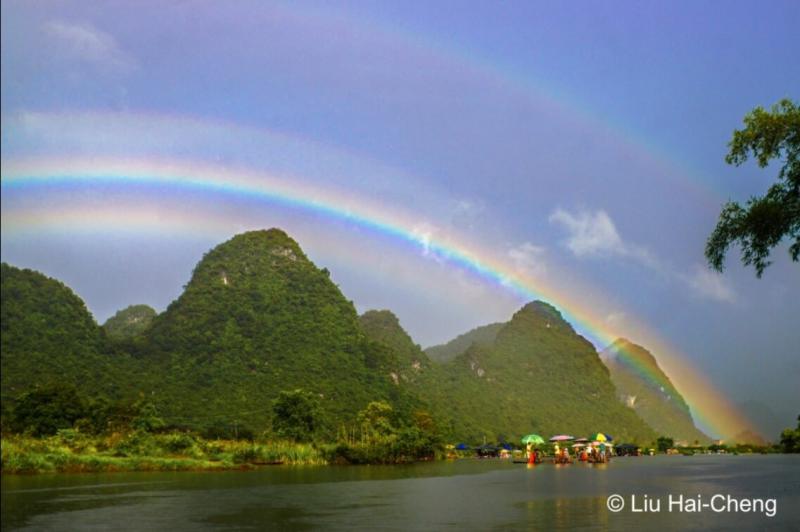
x: 565, y: 513
x: 470, y: 494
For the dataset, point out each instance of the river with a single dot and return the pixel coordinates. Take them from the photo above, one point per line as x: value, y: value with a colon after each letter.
x: 457, y: 495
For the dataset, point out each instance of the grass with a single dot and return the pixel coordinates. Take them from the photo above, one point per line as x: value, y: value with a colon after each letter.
x: 71, y: 451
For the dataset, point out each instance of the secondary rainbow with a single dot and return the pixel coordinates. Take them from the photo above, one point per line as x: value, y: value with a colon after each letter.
x: 528, y: 84
x: 711, y: 408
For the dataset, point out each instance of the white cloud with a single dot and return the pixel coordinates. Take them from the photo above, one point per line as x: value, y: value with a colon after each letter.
x: 709, y: 284
x: 89, y: 44
x: 590, y: 234
x: 423, y: 235
x: 528, y: 259
x: 593, y: 234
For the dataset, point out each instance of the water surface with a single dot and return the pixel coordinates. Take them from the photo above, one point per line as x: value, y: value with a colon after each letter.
x: 465, y: 494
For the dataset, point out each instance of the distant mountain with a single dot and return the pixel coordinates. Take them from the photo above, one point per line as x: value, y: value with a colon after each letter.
x: 483, y: 335
x: 644, y: 387
x: 129, y: 322
x: 258, y: 317
x: 750, y: 437
x: 383, y: 327
x: 537, y: 375
x: 47, y: 334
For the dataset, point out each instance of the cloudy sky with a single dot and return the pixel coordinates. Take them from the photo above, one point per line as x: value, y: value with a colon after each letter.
x: 581, y: 144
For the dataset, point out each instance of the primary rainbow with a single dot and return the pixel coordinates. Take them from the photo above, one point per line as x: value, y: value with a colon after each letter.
x: 711, y: 408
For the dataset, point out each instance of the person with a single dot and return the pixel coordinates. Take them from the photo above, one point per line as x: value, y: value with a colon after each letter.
x: 556, y: 453
x: 603, y: 452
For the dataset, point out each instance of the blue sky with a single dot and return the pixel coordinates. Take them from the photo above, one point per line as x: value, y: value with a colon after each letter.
x: 582, y: 141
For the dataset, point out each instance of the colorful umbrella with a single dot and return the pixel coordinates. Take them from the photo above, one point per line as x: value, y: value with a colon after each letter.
x: 533, y: 439
x: 562, y: 437
x: 600, y: 437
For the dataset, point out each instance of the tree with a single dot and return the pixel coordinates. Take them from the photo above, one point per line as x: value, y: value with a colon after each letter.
x: 663, y: 443
x: 147, y: 418
x: 765, y: 221
x: 376, y: 420
x: 47, y: 409
x: 295, y: 415
x: 790, y: 439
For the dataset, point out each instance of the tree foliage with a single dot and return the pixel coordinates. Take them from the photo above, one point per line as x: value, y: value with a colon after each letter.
x: 45, y: 410
x: 663, y: 443
x: 376, y: 420
x: 790, y: 439
x: 147, y: 418
x: 764, y: 221
x: 295, y: 415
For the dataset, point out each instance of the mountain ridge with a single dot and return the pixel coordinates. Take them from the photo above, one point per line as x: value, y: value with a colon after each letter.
x: 257, y: 316
x: 642, y: 385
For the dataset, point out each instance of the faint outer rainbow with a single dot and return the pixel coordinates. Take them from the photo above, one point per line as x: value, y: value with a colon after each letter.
x: 525, y: 82
x: 711, y: 408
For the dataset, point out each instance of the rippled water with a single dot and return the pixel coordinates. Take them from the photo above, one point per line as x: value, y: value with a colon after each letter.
x: 465, y: 494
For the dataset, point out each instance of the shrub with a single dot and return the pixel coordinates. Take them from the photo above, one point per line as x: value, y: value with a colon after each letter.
x: 137, y: 443
x: 177, y: 442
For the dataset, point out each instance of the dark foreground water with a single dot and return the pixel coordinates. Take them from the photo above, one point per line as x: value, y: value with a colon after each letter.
x: 466, y: 494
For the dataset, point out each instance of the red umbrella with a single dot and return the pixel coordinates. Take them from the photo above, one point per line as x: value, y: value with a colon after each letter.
x: 562, y: 437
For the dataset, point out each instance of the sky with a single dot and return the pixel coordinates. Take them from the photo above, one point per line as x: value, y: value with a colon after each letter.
x: 579, y: 146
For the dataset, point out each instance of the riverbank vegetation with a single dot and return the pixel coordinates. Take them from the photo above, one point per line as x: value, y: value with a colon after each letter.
x: 72, y: 451
x: 55, y: 429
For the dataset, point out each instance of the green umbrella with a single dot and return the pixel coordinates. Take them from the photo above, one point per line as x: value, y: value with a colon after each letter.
x: 533, y: 439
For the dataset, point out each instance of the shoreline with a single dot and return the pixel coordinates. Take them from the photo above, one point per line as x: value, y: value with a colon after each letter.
x: 35, y: 464
x: 77, y: 453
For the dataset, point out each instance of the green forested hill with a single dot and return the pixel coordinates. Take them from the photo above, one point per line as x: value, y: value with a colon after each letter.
x: 258, y: 317
x: 643, y: 386
x: 129, y: 322
x: 537, y: 375
x: 383, y: 327
x: 49, y: 335
x: 484, y: 335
